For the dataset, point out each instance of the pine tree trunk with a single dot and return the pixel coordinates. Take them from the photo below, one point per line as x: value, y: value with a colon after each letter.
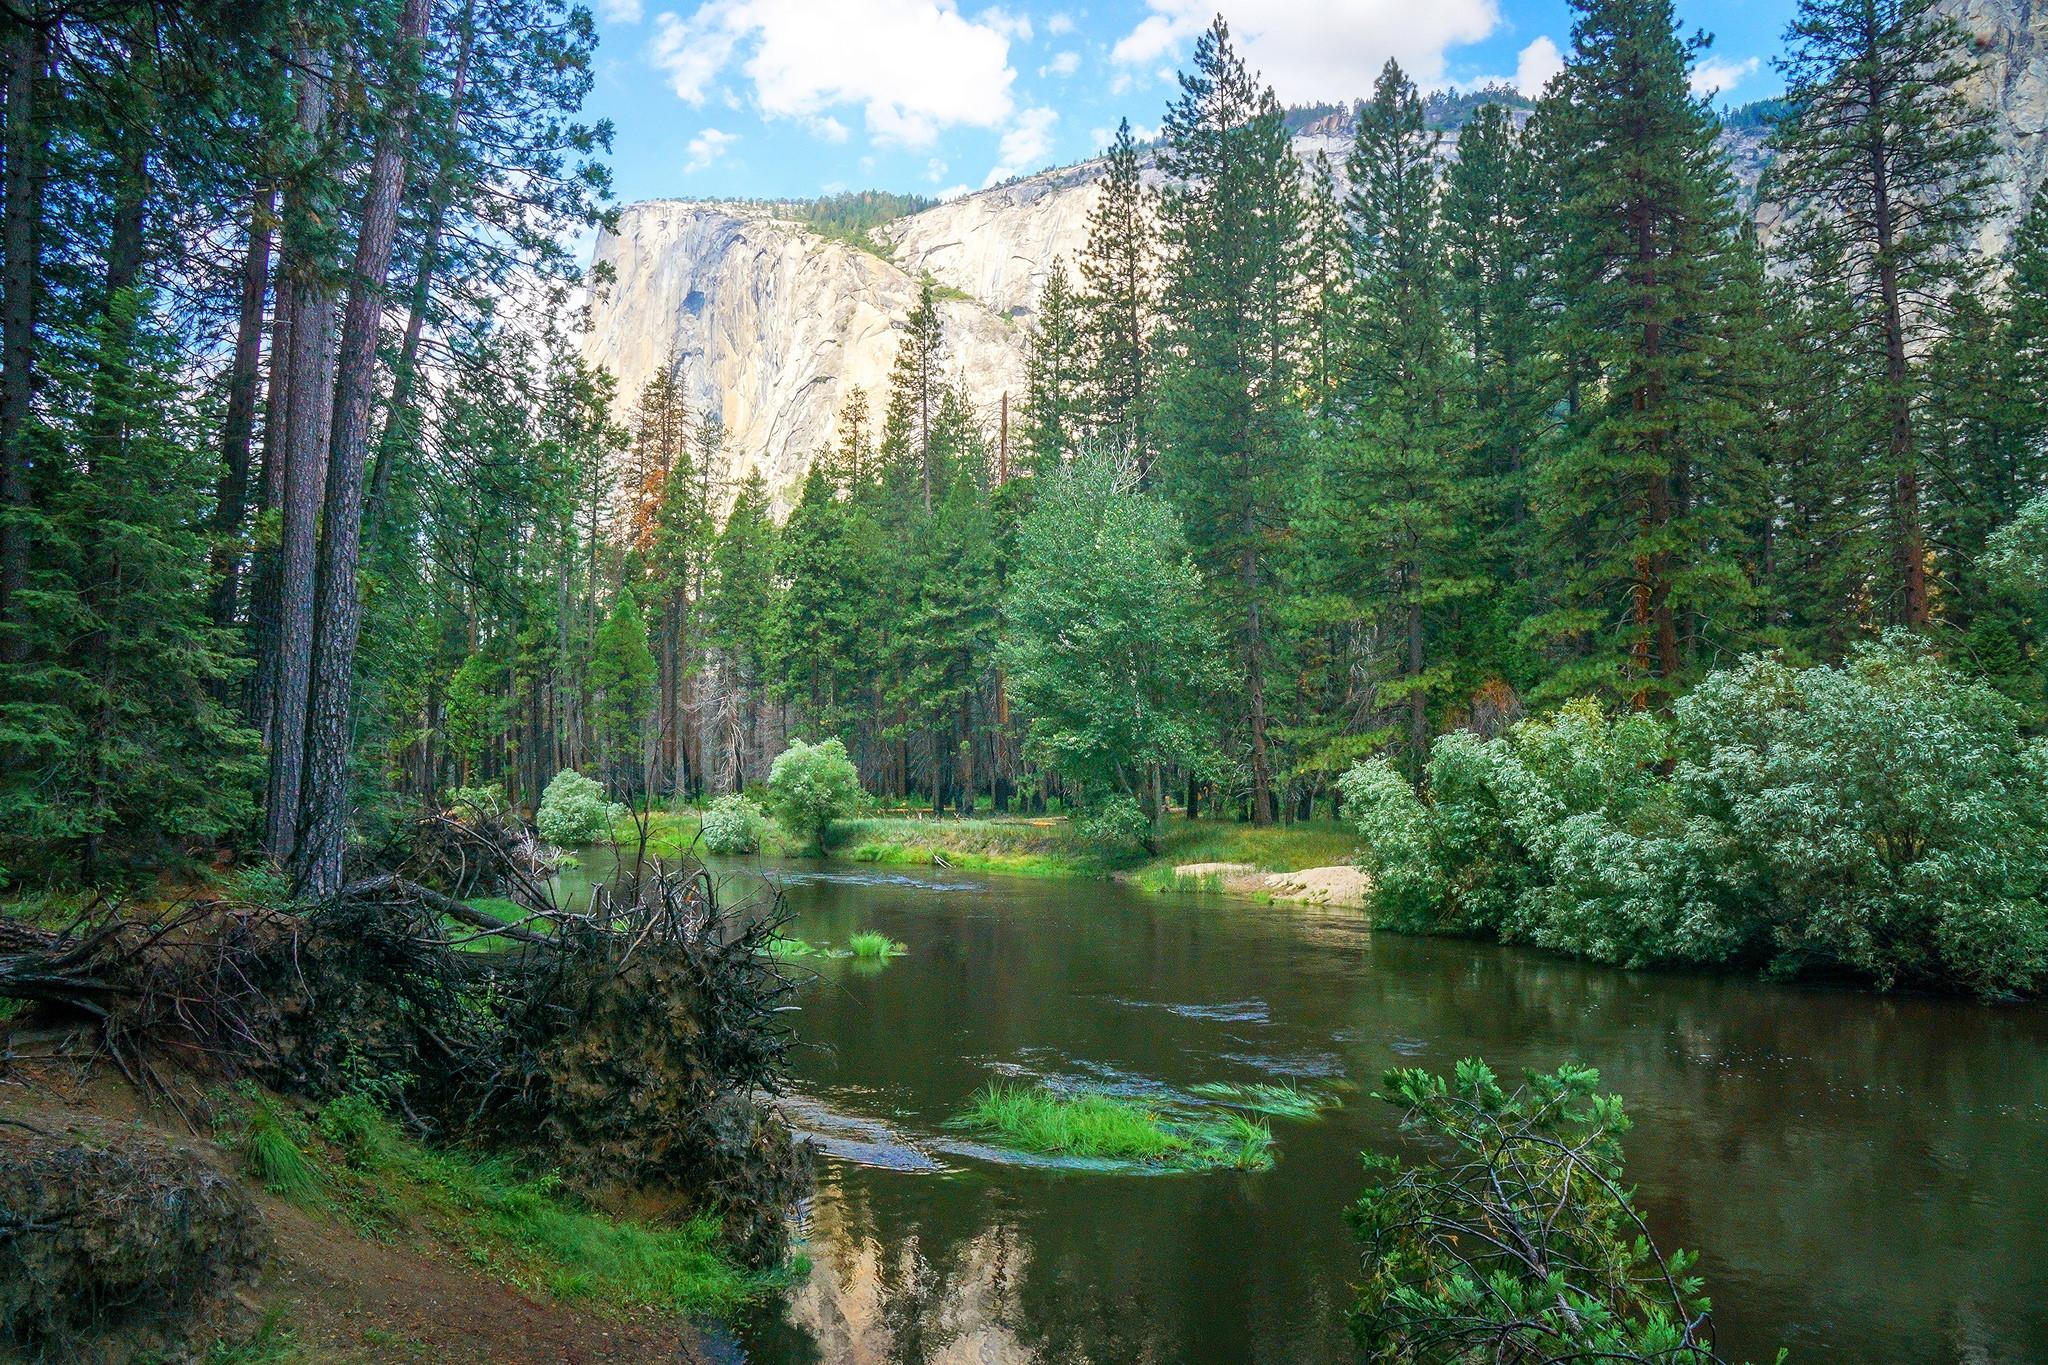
x: 338, y: 620
x: 300, y: 452
x: 239, y: 428
x: 25, y: 52
x: 1255, y: 694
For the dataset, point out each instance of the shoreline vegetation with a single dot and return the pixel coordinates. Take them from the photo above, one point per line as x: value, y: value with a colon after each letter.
x: 1035, y: 846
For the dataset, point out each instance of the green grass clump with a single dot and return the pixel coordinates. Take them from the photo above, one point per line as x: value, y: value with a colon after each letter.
x: 271, y: 1151
x: 1109, y: 1127
x: 1283, y: 1100
x: 785, y: 947
x: 1036, y: 1119
x: 873, y: 946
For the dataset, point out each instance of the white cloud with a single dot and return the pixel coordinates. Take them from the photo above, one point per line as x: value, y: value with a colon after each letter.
x: 1026, y: 146
x: 915, y: 67
x: 1016, y: 27
x: 707, y: 147
x: 935, y: 170
x: 1537, y: 65
x: 1321, y: 49
x: 1062, y: 64
x: 1715, y: 76
x: 619, y: 11
x: 829, y: 128
x: 954, y: 192
x: 1060, y: 23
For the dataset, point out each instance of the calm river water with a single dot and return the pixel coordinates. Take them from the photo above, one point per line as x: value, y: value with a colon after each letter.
x: 1868, y: 1176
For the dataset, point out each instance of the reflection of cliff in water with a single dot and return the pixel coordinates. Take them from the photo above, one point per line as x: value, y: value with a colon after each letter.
x: 887, y: 1296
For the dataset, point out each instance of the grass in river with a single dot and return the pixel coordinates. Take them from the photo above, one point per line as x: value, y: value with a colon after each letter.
x: 1109, y: 1127
x: 1283, y: 1100
x: 785, y: 948
x: 875, y: 947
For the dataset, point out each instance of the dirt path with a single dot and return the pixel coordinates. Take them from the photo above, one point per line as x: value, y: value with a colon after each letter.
x: 346, y: 1296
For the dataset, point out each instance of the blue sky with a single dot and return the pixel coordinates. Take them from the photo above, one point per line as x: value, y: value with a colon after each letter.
x: 776, y: 98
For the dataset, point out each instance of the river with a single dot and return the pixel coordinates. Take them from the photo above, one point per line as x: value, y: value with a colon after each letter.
x: 1867, y: 1176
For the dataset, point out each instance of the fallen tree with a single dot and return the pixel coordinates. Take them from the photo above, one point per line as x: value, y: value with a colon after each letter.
x: 629, y: 1043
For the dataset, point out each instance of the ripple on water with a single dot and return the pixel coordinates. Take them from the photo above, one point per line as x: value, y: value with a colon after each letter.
x: 870, y: 879
x: 1317, y: 1064
x: 1252, y: 1011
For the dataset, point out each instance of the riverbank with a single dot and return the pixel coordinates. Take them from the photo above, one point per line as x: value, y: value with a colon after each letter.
x: 1214, y: 856
x: 382, y: 1249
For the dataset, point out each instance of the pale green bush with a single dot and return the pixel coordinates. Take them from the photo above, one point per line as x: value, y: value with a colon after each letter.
x: 734, y: 824
x: 573, y: 810
x: 1883, y: 818
x: 811, y: 785
x: 1118, y: 822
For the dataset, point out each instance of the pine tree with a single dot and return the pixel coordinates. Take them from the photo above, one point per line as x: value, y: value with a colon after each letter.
x: 1496, y: 312
x: 1882, y: 146
x: 949, y: 630
x: 1053, y: 401
x: 916, y: 387
x: 118, y: 710
x: 739, y: 622
x: 1647, y: 255
x: 1227, y: 418
x: 1116, y: 305
x: 622, y: 683
x: 1328, y: 279
x: 1399, y: 471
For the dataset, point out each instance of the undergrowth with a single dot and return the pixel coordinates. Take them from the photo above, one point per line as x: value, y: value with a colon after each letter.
x: 513, y: 1223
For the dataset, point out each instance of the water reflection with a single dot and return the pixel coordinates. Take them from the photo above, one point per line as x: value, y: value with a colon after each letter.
x: 1868, y: 1176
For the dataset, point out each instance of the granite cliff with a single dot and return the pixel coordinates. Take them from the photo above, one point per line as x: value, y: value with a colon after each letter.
x: 773, y: 324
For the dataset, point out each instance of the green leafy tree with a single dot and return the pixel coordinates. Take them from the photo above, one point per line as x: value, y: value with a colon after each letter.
x: 574, y: 811
x: 1109, y: 650
x: 812, y: 785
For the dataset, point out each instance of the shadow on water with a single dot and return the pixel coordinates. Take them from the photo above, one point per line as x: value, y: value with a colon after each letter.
x: 1868, y: 1176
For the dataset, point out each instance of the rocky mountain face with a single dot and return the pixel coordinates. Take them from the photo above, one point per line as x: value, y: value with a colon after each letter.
x: 772, y: 324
